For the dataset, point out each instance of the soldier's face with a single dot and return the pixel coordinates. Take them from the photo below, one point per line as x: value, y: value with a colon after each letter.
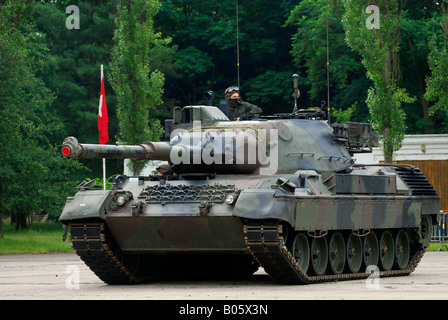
x: 235, y: 95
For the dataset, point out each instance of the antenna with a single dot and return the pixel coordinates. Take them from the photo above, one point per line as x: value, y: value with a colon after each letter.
x: 296, y: 93
x: 237, y: 46
x: 328, y: 71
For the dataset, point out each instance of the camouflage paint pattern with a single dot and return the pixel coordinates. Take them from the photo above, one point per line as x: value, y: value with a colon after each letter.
x: 315, y: 188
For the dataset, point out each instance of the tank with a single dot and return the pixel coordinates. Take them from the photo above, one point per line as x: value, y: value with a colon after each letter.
x: 281, y: 192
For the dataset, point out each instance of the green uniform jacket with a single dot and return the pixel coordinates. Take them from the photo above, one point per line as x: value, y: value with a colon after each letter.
x: 245, y: 109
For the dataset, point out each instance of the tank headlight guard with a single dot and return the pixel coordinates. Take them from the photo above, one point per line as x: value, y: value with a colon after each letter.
x: 120, y: 200
x: 231, y: 198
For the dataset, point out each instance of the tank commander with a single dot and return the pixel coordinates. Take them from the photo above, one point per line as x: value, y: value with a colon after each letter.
x: 164, y: 170
x: 238, y: 107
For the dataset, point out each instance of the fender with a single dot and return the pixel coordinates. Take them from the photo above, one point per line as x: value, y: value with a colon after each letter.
x: 262, y: 204
x: 86, y: 204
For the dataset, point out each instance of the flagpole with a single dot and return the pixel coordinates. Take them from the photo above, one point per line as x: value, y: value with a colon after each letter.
x: 104, y: 160
x: 104, y: 174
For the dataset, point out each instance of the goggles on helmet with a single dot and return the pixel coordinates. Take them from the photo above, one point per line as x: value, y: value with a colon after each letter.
x: 230, y: 90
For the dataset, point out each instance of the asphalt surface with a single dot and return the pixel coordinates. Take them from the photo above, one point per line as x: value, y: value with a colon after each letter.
x: 65, y: 277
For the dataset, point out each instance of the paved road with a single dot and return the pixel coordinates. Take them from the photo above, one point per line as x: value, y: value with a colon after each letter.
x: 53, y: 276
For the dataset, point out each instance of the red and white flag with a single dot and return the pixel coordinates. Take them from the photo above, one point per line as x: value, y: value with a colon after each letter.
x: 103, y: 118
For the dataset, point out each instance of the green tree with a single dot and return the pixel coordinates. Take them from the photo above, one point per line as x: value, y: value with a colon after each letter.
x: 72, y: 71
x: 379, y: 48
x: 75, y: 58
x: 420, y: 20
x: 343, y: 116
x: 205, y: 36
x: 437, y: 83
x: 266, y: 66
x: 348, y: 83
x: 137, y: 85
x: 33, y: 175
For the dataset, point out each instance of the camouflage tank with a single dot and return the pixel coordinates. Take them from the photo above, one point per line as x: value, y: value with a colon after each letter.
x: 282, y: 192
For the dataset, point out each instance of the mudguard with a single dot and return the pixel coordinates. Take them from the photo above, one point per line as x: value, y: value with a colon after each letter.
x: 262, y: 204
x: 86, y: 204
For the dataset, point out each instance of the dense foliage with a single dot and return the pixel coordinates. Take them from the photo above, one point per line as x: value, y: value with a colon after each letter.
x: 33, y: 176
x: 437, y: 89
x: 380, y: 51
x: 137, y: 85
x: 161, y: 54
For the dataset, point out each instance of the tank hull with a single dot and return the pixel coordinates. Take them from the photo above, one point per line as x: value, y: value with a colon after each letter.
x: 189, y: 223
x: 181, y: 227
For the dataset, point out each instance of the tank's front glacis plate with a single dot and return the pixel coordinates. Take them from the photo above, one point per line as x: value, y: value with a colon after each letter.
x: 178, y: 216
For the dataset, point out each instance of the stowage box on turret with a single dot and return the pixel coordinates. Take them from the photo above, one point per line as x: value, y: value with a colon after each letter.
x: 280, y: 192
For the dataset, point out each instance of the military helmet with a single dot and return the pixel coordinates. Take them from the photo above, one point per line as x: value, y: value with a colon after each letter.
x: 231, y: 90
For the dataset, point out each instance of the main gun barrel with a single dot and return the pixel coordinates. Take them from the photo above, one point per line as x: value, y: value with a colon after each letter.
x: 71, y: 148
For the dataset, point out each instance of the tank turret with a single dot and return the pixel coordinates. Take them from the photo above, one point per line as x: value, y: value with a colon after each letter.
x: 224, y: 150
x: 282, y: 144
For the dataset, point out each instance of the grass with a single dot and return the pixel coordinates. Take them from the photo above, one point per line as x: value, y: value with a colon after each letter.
x: 43, y: 237
x: 434, y: 246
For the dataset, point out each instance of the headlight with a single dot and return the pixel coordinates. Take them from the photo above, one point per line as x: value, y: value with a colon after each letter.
x: 120, y: 200
x: 230, y: 199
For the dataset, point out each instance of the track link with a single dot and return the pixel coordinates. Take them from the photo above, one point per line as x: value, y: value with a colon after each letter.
x: 264, y: 239
x: 90, y: 243
x: 95, y: 245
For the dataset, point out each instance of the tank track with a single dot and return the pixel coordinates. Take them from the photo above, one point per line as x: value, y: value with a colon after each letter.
x: 96, y: 247
x: 264, y: 239
x: 89, y: 241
